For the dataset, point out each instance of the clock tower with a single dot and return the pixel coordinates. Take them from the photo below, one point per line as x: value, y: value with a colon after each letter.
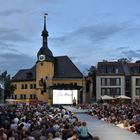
x: 44, y: 64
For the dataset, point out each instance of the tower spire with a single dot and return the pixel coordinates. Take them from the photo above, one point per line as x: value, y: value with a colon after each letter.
x: 44, y: 50
x: 44, y: 33
x: 45, y: 21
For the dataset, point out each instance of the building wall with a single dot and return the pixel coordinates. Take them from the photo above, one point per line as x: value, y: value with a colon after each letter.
x: 133, y: 88
x: 18, y: 91
x: 44, y: 70
x: 99, y: 86
x: 47, y: 69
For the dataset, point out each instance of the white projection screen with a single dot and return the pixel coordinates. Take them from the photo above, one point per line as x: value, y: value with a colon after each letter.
x: 64, y: 96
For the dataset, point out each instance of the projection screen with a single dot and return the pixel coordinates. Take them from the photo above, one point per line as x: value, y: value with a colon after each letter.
x: 64, y: 96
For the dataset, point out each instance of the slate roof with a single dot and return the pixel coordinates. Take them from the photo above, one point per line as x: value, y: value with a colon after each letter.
x: 64, y: 68
x: 25, y: 75
x: 104, y: 66
x: 127, y: 69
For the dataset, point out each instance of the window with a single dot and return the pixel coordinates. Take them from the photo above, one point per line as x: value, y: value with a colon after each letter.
x: 137, y: 82
x: 118, y: 81
x: 24, y: 96
x: 103, y: 81
x: 32, y: 96
x: 21, y: 96
x: 26, y: 86
x: 103, y: 91
x: 29, y: 75
x: 108, y: 91
x: 117, y: 91
x: 15, y: 97
x: 31, y: 86
x: 108, y: 81
x: 34, y: 85
x: 138, y: 91
x: 22, y: 86
x: 116, y: 70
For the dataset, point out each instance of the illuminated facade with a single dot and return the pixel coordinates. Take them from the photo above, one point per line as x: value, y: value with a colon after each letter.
x: 47, y: 75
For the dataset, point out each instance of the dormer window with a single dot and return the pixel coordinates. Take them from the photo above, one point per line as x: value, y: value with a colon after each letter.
x: 29, y: 75
x: 117, y: 70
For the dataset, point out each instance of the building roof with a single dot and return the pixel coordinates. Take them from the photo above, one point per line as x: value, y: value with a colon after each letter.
x: 110, y: 68
x: 134, y: 68
x: 25, y: 75
x: 126, y: 69
x: 63, y: 68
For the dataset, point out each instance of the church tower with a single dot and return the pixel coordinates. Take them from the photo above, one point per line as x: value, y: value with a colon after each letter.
x: 53, y: 79
x: 44, y: 65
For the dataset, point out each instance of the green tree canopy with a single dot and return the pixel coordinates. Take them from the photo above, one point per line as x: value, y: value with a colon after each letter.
x: 8, y: 87
x: 92, y: 71
x: 92, y: 74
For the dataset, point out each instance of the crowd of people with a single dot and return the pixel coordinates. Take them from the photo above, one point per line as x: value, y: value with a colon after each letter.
x: 123, y: 115
x: 43, y: 122
x: 40, y: 122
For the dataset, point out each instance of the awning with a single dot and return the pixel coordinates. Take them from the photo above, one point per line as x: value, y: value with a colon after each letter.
x: 123, y: 97
x: 106, y: 97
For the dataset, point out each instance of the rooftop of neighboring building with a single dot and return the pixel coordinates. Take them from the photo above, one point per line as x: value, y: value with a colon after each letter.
x: 110, y: 68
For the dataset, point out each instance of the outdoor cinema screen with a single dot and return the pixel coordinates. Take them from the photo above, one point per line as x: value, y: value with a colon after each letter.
x: 64, y: 96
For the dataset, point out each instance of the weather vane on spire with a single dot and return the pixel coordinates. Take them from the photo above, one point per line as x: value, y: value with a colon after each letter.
x: 45, y: 14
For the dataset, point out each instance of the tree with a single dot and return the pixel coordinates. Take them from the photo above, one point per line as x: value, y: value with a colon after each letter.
x: 8, y: 87
x: 125, y: 60
x: 92, y: 74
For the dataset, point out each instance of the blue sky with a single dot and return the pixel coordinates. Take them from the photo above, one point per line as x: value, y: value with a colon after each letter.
x: 87, y: 31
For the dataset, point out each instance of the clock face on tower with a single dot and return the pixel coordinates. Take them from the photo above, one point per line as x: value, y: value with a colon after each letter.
x: 41, y: 57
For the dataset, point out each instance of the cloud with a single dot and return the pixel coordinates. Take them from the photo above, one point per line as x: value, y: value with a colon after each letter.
x: 82, y: 67
x: 131, y: 54
x: 9, y: 34
x: 14, y: 62
x: 4, y: 30
x: 10, y: 12
x: 5, y: 49
x: 121, y: 48
x: 91, y: 33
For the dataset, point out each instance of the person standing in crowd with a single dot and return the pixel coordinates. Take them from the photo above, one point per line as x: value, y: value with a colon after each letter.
x: 50, y: 136
x: 3, y: 136
x: 74, y: 101
x: 74, y: 136
x: 84, y: 131
x: 57, y: 136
